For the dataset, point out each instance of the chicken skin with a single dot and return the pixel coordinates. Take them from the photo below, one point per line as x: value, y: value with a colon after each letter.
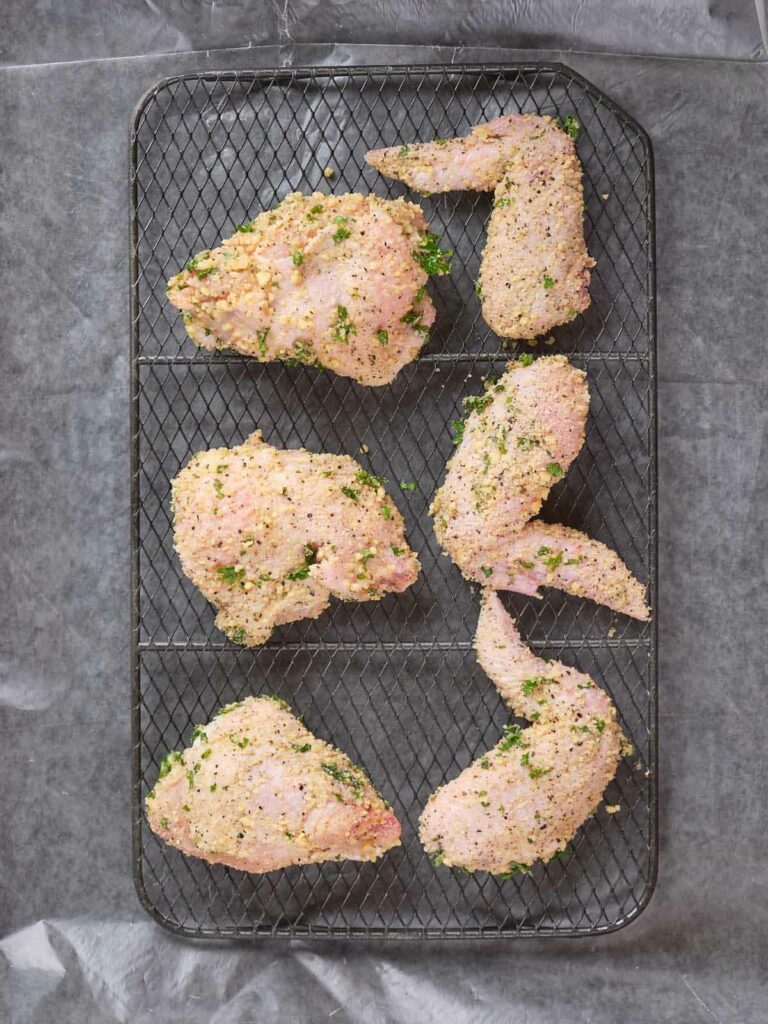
x: 518, y: 439
x: 333, y: 281
x: 258, y: 791
x: 535, y: 270
x: 524, y: 800
x: 269, y: 535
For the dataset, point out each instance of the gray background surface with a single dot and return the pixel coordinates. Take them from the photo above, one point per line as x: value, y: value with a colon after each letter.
x: 77, y: 947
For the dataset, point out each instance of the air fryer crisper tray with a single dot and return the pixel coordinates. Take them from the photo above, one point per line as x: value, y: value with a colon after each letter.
x: 395, y: 684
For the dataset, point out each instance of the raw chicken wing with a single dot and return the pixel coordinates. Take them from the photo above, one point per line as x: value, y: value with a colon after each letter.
x: 524, y: 800
x: 518, y: 439
x: 535, y: 269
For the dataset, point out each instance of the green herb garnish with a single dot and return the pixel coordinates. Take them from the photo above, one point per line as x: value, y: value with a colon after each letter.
x: 345, y: 776
x: 382, y: 337
x: 229, y: 574
x: 369, y: 480
x: 433, y: 260
x: 174, y: 757
x: 298, y: 574
x: 351, y: 493
x: 571, y: 126
x: 343, y: 327
x: 513, y: 737
x: 457, y: 426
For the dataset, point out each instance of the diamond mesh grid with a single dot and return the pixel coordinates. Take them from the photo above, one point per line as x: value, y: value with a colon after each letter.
x: 395, y: 683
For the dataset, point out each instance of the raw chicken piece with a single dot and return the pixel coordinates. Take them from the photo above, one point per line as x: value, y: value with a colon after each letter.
x: 524, y: 800
x: 268, y: 535
x: 334, y: 281
x: 519, y: 438
x: 535, y: 269
x: 551, y: 555
x: 257, y: 791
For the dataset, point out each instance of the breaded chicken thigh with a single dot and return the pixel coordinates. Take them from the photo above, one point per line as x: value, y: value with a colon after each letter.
x: 269, y: 535
x: 519, y: 439
x: 524, y: 800
x: 258, y: 791
x: 535, y: 268
x: 333, y: 281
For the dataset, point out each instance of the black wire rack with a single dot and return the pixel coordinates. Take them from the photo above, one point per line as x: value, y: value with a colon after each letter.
x: 395, y: 684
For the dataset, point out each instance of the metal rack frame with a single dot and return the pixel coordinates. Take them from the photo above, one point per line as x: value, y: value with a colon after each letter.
x: 393, y: 683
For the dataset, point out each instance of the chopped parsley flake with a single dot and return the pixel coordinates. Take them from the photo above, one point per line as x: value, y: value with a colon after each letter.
x: 526, y: 359
x: 351, y: 493
x: 229, y: 574
x: 297, y: 257
x: 571, y: 126
x: 369, y: 480
x: 341, y: 232
x: 477, y: 403
x: 502, y: 202
x: 433, y: 260
x: 386, y: 511
x: 345, y: 776
x: 301, y: 748
x: 513, y: 737
x: 244, y: 229
x: 515, y: 867
x: 343, y: 327
x: 382, y: 337
x: 437, y: 857
x: 599, y: 724
x: 262, y: 339
x: 555, y: 469
x: 404, y: 151
x: 396, y: 550
x: 548, y: 281
x: 486, y: 571
x: 174, y: 757
x: 457, y: 426
x: 407, y: 486
x: 199, y: 733
x: 299, y: 574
